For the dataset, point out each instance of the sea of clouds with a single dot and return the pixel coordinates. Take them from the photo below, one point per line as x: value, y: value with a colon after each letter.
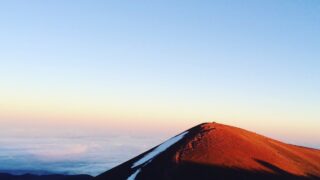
x: 69, y: 154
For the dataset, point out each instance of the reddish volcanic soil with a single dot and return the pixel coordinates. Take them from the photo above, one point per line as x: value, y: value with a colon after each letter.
x: 216, y: 151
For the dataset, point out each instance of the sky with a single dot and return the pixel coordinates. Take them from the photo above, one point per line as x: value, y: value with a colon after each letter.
x: 138, y: 72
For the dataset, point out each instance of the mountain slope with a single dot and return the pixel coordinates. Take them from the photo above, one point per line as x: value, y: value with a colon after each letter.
x: 216, y: 151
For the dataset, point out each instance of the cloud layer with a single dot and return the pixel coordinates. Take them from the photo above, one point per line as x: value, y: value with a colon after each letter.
x: 69, y: 155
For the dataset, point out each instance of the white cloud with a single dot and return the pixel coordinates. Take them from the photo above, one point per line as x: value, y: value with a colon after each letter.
x: 64, y: 152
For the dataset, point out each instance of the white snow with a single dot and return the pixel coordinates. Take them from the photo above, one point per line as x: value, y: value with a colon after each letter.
x: 148, y: 157
x: 134, y: 175
x: 162, y: 147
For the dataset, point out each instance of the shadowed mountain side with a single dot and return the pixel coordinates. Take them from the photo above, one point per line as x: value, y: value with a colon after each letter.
x: 5, y: 176
x: 217, y: 151
x: 192, y: 171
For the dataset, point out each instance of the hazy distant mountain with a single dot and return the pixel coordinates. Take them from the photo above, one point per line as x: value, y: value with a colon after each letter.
x: 216, y: 151
x: 5, y: 176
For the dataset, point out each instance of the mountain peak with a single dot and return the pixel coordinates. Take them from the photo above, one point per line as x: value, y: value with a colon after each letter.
x: 217, y: 151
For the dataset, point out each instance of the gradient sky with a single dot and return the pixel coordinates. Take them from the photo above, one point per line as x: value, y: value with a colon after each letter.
x: 159, y: 67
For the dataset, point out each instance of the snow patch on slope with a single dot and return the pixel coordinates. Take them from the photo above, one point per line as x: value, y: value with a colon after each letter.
x: 148, y: 157
x: 134, y: 175
x: 162, y: 147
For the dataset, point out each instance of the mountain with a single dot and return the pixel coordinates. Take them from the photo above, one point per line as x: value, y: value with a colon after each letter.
x: 217, y: 151
x: 5, y: 176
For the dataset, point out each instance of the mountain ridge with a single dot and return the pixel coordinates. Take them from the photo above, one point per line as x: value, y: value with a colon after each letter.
x: 229, y: 152
x: 7, y: 176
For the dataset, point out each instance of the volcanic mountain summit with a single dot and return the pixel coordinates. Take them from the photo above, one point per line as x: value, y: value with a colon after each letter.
x: 216, y: 151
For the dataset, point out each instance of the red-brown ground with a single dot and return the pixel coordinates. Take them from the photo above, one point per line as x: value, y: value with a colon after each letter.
x: 216, y: 151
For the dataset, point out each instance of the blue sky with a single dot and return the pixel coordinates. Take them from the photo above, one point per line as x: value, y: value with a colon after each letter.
x: 159, y: 67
